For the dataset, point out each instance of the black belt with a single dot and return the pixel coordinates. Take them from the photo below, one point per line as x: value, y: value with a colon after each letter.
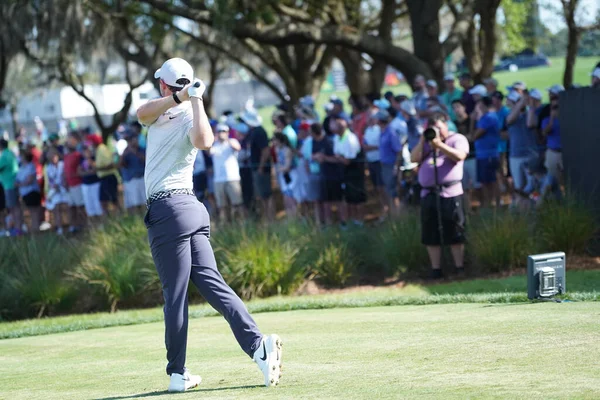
x: 442, y: 185
x: 168, y: 193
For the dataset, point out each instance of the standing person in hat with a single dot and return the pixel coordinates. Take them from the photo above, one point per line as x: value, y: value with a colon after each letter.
x: 550, y: 128
x: 487, y: 137
x: 450, y: 94
x: 132, y: 163
x: 390, y: 151
x: 228, y: 189
x: 522, y: 140
x: 179, y: 226
x: 260, y: 162
x: 90, y: 186
x: 107, y: 172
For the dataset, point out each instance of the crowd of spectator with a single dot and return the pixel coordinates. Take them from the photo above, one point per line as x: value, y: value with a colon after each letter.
x: 320, y: 165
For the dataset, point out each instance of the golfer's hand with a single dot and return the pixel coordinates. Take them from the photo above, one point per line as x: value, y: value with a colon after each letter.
x: 196, y: 89
x: 436, y: 143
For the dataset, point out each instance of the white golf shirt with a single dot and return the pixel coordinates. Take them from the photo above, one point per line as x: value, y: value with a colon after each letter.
x: 170, y: 154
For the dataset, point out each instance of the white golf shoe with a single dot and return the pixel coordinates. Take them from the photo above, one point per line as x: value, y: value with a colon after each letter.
x: 181, y: 383
x: 268, y: 358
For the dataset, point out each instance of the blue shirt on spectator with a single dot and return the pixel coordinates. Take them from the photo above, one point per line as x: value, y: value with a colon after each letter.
x: 133, y: 166
x: 502, y: 113
x: 522, y: 139
x: 553, y: 139
x: 27, y: 171
x: 389, y: 146
x: 415, y: 130
x: 487, y: 145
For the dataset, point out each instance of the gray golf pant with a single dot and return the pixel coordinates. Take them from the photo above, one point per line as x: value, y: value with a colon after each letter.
x: 178, y: 230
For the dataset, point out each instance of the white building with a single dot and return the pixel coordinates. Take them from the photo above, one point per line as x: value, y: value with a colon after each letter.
x: 55, y: 104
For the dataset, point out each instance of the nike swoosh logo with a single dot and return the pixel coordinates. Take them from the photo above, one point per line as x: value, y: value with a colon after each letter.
x: 172, y: 117
x: 264, y: 357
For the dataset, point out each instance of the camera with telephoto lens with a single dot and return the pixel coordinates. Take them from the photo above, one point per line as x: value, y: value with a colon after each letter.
x: 431, y: 133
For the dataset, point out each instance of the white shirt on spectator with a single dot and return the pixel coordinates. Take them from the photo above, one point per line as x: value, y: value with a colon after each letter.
x: 225, y: 162
x: 346, y: 145
x: 372, y: 134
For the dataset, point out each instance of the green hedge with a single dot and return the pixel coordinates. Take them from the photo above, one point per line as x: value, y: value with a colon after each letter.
x: 113, y: 268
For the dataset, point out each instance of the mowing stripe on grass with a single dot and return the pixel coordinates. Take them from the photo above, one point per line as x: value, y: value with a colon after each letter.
x: 410, y: 295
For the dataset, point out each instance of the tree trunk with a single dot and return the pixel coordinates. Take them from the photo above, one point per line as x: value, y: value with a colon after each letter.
x: 360, y: 81
x: 572, y: 46
x: 488, y: 37
x: 424, y: 18
x: 14, y: 118
x: 479, y: 47
x: 215, y: 72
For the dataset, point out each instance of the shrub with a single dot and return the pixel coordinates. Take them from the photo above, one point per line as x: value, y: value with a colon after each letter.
x: 501, y: 241
x: 118, y: 261
x: 33, y: 274
x: 567, y: 227
x: 399, y: 246
x: 335, y: 265
x: 258, y: 263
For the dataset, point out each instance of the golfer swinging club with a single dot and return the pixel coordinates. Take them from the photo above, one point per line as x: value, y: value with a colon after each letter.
x: 179, y: 226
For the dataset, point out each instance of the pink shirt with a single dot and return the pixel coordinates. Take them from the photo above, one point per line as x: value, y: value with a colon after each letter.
x: 448, y: 170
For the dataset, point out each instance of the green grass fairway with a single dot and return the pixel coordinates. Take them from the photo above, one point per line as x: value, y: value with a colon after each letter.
x: 456, y: 351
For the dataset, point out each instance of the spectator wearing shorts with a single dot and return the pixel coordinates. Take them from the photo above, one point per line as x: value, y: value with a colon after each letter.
x: 522, y: 140
x: 72, y: 161
x: 9, y: 166
x: 228, y: 188
x: 132, y: 163
x: 502, y: 112
x: 287, y: 175
x: 29, y: 190
x: 371, y: 148
x: 90, y: 186
x: 348, y: 153
x: 107, y: 172
x: 463, y: 126
x: 390, y: 150
x: 260, y: 159
x: 487, y: 137
x: 312, y: 147
x: 57, y: 195
x: 452, y: 150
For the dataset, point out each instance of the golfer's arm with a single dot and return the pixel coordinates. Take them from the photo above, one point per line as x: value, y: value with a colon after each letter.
x: 149, y: 112
x: 201, y: 135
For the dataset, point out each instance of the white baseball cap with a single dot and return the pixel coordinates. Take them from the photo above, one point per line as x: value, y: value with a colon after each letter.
x: 408, y: 107
x: 596, y: 73
x: 556, y: 89
x: 535, y: 94
x: 222, y: 128
x: 449, y: 77
x: 431, y: 83
x: 478, y: 89
x: 173, y: 70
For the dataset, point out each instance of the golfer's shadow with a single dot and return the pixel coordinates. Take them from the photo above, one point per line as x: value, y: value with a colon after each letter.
x: 164, y: 392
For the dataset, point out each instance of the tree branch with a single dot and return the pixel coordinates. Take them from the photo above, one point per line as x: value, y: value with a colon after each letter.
x: 460, y: 26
